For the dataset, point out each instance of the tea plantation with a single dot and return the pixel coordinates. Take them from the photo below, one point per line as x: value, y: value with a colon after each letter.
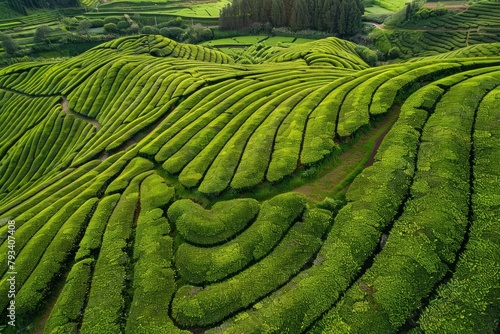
x: 125, y: 176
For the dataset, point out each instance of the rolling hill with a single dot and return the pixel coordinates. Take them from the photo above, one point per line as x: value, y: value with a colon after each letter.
x: 124, y: 173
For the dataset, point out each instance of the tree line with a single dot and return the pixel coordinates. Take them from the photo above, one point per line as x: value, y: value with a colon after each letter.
x: 21, y: 5
x: 342, y: 17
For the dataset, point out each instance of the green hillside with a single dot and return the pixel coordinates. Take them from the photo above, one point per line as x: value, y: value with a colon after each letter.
x: 130, y: 203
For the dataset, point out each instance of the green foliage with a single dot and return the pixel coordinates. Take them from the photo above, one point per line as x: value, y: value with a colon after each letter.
x: 190, y: 303
x: 200, y: 264
x: 149, y: 30
x: 208, y: 227
x: 8, y: 44
x: 337, y: 16
x: 111, y: 19
x: 110, y: 28
x: 173, y: 33
x: 84, y: 26
x: 42, y: 34
x: 97, y: 23
x: 369, y: 56
x: 70, y: 303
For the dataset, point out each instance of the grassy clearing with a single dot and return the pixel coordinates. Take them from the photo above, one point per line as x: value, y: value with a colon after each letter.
x: 392, y: 5
x: 375, y: 9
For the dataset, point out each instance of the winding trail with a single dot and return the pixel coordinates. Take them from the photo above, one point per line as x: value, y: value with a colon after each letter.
x: 65, y: 108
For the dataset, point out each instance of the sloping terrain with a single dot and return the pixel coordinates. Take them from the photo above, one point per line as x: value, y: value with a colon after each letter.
x: 105, y: 157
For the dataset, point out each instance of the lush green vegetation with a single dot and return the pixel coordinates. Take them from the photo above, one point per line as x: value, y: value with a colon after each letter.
x: 145, y: 178
x: 339, y: 16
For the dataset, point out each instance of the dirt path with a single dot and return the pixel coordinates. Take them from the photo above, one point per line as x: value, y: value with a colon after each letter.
x: 65, y: 108
x: 357, y: 157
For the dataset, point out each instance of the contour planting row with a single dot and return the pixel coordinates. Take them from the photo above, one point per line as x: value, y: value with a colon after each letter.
x: 374, y: 199
x: 479, y: 15
x: 479, y: 50
x: 354, y: 236
x: 330, y: 51
x: 203, y: 306
x: 199, y: 265
x: 160, y: 46
x: 49, y: 144
x: 469, y: 302
x: 421, y: 248
x: 236, y: 133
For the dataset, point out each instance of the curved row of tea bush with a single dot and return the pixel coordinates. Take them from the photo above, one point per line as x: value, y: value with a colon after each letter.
x: 469, y: 302
x: 209, y: 305
x: 209, y: 227
x: 421, y: 247
x: 198, y: 265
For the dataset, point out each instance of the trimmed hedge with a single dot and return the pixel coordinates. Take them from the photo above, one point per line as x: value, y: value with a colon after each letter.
x: 209, y: 227
x: 209, y: 305
x: 154, y: 279
x: 420, y: 247
x: 66, y: 314
x: 200, y: 264
x: 468, y: 303
x: 103, y: 313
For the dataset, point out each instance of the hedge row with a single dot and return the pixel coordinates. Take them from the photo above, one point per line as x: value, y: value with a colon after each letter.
x: 228, y: 119
x: 135, y: 167
x: 66, y: 314
x: 104, y: 309
x: 36, y: 288
x: 200, y: 264
x: 255, y: 159
x: 196, y: 156
x: 208, y: 227
x: 374, y: 199
x: 92, y: 239
x: 420, y: 248
x: 220, y: 174
x: 469, y: 302
x: 202, y: 114
x: 154, y: 279
x: 209, y: 305
x: 321, y: 122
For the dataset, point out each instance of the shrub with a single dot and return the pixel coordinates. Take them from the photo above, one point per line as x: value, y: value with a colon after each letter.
x: 110, y: 28
x: 172, y: 33
x: 369, y: 56
x: 112, y: 19
x: 197, y: 264
x: 394, y: 53
x: 8, y: 44
x: 208, y: 227
x: 97, y: 23
x: 195, y: 306
x: 122, y: 25
x: 149, y: 30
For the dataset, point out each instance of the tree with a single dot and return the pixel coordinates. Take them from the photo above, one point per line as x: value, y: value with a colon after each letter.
x: 353, y: 19
x: 122, y: 25
x: 174, y: 33
x: 110, y: 28
x: 343, y: 18
x: 42, y: 34
x: 149, y: 30
x: 84, y: 26
x: 278, y: 14
x: 8, y: 44
x: 301, y: 18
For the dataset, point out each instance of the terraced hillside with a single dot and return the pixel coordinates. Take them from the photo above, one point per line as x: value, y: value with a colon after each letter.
x: 122, y: 174
x: 477, y: 24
